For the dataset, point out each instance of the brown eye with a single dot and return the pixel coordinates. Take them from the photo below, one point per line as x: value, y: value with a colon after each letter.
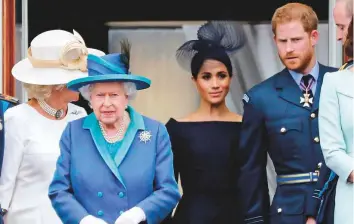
x: 222, y: 75
x: 206, y: 77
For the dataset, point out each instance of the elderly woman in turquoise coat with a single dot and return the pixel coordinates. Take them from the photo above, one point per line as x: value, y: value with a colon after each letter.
x: 116, y: 165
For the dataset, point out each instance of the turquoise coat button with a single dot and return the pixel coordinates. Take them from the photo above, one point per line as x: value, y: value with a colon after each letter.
x: 121, y: 194
x: 100, y: 194
x: 100, y: 213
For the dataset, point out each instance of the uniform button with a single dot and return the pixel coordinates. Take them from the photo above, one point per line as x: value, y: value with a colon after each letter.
x: 283, y: 130
x: 121, y: 194
x: 279, y: 210
x: 100, y: 194
x: 100, y: 213
x: 313, y: 115
x: 121, y: 212
x: 317, y: 139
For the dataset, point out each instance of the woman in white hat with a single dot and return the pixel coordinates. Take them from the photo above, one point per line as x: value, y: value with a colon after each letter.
x: 33, y: 129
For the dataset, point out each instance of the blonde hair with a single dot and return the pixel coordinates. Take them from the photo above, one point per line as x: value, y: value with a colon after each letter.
x: 41, y: 92
x: 295, y: 11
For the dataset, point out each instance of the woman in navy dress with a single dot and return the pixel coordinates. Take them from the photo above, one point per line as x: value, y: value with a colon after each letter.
x: 203, y: 143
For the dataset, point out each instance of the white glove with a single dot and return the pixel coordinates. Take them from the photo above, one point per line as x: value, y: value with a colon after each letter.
x: 92, y: 220
x: 134, y: 215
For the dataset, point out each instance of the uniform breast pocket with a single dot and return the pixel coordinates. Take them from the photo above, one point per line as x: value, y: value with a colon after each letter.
x: 285, y: 137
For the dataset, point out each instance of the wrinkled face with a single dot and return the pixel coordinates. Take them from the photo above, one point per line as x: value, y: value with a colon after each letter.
x: 295, y: 46
x: 213, y: 81
x: 342, y: 20
x: 108, y: 101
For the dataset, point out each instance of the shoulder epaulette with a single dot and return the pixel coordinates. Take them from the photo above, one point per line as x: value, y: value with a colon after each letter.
x: 10, y: 99
x: 342, y: 67
x: 346, y: 65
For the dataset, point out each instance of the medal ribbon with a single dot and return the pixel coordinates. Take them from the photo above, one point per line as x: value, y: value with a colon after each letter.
x: 309, y: 86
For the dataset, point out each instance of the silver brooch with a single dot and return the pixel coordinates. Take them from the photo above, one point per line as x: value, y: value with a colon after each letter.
x: 145, y: 136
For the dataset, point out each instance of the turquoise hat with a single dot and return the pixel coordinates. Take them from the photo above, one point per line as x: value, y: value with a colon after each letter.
x: 109, y: 68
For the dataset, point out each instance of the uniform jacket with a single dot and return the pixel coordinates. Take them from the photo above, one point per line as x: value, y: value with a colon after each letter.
x: 276, y: 122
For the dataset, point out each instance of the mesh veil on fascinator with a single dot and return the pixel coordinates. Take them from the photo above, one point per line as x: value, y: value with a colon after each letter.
x: 217, y: 40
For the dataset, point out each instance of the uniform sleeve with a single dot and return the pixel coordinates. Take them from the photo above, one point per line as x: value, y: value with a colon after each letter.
x: 252, y: 183
x: 332, y: 140
x: 166, y: 195
x: 13, y: 154
x: 313, y: 203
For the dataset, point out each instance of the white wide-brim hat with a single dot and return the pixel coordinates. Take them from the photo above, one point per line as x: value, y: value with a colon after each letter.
x: 54, y: 57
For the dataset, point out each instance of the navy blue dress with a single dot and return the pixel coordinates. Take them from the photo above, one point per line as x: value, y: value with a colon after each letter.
x: 205, y: 159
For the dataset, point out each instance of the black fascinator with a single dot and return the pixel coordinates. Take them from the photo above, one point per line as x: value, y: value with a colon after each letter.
x: 217, y: 40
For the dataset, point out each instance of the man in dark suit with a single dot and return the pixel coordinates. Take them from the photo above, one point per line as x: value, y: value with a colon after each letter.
x: 280, y: 117
x: 5, y: 103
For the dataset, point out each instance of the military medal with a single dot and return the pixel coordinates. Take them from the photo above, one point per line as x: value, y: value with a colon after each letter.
x: 306, y: 99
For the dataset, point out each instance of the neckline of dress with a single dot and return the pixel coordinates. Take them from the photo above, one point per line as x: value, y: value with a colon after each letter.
x: 206, y: 122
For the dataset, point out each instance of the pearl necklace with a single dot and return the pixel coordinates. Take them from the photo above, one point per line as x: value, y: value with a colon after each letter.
x: 118, y: 136
x: 50, y: 110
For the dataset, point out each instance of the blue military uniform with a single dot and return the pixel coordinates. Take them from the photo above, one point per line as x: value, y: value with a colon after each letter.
x: 276, y: 122
x: 5, y: 103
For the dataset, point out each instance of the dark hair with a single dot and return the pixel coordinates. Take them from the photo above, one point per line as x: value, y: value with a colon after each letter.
x: 348, y: 44
x: 213, y: 52
x: 217, y: 40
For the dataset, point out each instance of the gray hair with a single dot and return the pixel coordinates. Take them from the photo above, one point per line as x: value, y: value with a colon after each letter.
x: 129, y: 89
x: 41, y: 92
